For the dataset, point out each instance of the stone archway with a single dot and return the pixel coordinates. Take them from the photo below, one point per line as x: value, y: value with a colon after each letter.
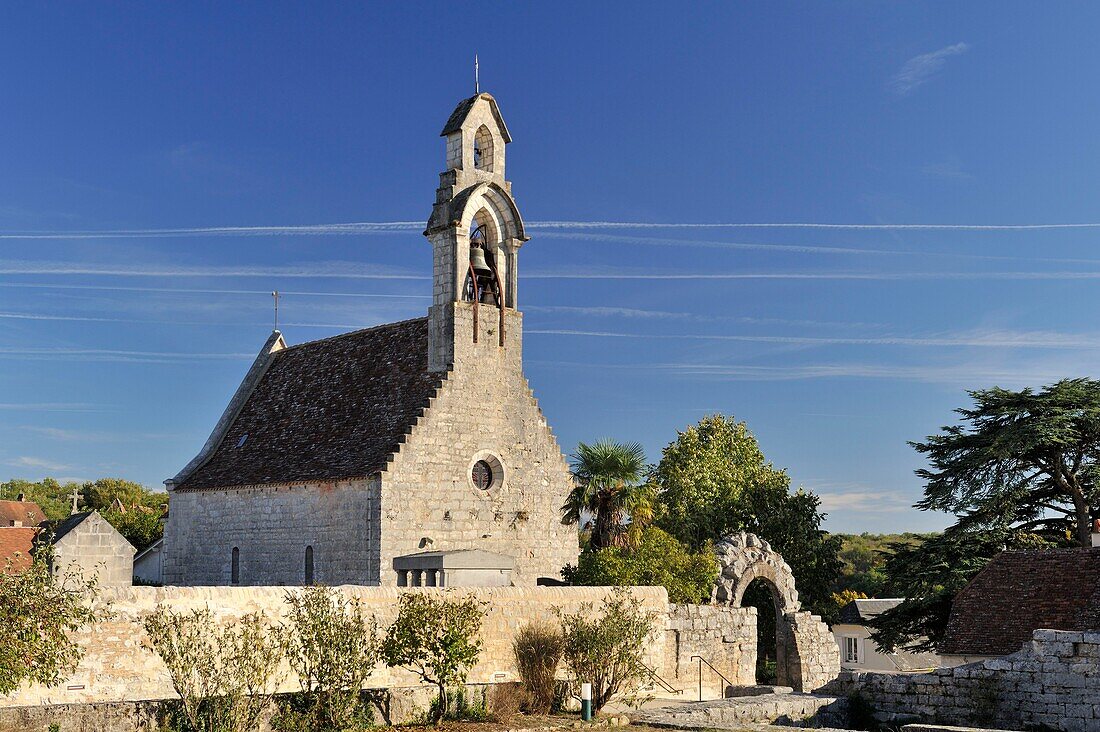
x: 807, y: 656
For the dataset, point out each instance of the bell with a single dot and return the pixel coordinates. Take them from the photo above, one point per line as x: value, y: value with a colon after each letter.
x: 477, y: 259
x: 487, y: 296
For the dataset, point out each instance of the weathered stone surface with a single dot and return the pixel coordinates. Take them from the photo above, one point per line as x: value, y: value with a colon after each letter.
x: 1053, y: 682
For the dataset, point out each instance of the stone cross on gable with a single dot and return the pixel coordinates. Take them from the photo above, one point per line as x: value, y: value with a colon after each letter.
x: 76, y: 500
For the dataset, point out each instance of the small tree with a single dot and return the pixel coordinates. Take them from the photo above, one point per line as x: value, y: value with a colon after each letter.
x: 224, y: 676
x: 606, y: 650
x: 436, y: 638
x: 537, y: 648
x: 38, y: 613
x: 333, y: 648
x: 609, y: 487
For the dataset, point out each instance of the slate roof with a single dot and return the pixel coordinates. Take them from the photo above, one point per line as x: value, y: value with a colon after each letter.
x: 326, y: 410
x: 26, y: 512
x: 858, y: 612
x: 56, y: 530
x: 16, y: 543
x: 454, y: 122
x: 1020, y: 592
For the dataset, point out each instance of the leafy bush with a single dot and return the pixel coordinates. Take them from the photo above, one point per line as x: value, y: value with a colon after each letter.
x: 38, y: 611
x: 657, y: 559
x: 333, y: 648
x: 224, y: 675
x: 435, y: 637
x: 606, y: 650
x: 537, y: 648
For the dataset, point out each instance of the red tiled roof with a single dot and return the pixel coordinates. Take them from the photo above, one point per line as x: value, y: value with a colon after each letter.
x: 16, y: 544
x: 26, y: 512
x: 326, y: 410
x: 1020, y: 592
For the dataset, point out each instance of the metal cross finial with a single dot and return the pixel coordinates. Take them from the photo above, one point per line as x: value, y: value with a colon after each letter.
x: 275, y: 294
x: 76, y: 499
x: 477, y: 81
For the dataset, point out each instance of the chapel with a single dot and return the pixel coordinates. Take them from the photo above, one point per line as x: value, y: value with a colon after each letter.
x: 412, y: 453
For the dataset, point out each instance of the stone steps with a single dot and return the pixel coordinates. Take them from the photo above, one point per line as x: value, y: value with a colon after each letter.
x: 736, y: 712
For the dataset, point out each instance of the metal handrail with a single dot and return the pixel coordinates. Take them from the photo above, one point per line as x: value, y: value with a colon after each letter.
x: 712, y: 668
x: 661, y: 682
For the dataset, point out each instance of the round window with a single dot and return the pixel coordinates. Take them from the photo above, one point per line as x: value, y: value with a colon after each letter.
x: 482, y: 475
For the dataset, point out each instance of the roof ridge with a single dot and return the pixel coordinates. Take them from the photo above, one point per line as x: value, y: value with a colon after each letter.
x: 351, y: 333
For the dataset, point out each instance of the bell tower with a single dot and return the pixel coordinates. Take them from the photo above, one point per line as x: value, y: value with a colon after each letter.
x: 476, y: 232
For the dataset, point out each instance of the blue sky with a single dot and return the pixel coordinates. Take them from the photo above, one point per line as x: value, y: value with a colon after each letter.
x: 119, y: 350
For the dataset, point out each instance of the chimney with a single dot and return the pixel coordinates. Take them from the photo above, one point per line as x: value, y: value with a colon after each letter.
x: 17, y: 523
x: 1096, y: 534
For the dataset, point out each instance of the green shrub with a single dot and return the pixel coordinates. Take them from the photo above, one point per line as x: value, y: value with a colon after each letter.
x: 333, y: 648
x: 537, y: 648
x: 224, y: 675
x: 38, y: 613
x: 606, y: 650
x: 435, y: 637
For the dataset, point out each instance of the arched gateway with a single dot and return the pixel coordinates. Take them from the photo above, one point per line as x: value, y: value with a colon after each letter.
x: 807, y: 656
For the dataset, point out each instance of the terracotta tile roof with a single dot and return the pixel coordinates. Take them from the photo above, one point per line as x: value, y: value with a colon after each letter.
x: 326, y: 410
x: 16, y: 544
x: 1020, y: 592
x: 26, y: 512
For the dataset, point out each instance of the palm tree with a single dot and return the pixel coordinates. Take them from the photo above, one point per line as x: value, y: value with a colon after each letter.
x: 608, y: 477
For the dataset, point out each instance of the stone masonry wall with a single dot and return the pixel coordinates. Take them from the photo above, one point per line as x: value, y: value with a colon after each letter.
x: 484, y: 407
x: 118, y: 666
x: 813, y: 657
x: 272, y: 526
x: 94, y: 548
x: 724, y: 636
x: 1052, y: 683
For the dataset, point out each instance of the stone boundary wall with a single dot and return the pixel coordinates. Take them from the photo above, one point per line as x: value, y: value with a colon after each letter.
x: 1053, y: 682
x: 725, y: 636
x: 118, y: 665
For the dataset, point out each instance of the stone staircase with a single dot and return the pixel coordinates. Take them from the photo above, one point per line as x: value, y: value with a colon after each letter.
x: 771, y: 705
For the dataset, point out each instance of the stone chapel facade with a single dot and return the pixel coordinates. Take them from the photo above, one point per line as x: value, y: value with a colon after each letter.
x: 407, y: 453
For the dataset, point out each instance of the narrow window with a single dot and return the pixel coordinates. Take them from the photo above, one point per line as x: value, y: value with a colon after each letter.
x: 483, y: 149
x: 309, y: 565
x: 235, y: 570
x: 851, y: 650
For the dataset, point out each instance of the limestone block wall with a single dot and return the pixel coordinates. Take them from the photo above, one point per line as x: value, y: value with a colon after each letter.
x: 724, y: 636
x: 271, y: 526
x: 812, y: 655
x: 484, y: 409
x: 1053, y: 682
x: 94, y: 548
x: 117, y: 665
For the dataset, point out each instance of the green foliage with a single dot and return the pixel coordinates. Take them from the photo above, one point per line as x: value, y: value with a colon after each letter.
x: 713, y: 481
x: 703, y: 475
x: 656, y: 559
x: 332, y: 647
x: 38, y: 612
x: 606, y: 650
x: 1020, y: 471
x: 436, y: 638
x: 1025, y: 459
x: 537, y: 648
x: 838, y: 601
x: 139, y: 522
x: 863, y: 558
x: 609, y: 487
x: 224, y: 675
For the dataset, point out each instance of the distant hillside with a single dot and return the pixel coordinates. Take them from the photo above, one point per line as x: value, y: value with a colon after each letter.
x: 863, y: 556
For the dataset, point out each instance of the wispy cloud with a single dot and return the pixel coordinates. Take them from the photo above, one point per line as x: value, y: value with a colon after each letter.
x: 950, y: 169
x: 64, y: 435
x: 204, y: 291
x: 861, y: 500
x: 920, y: 69
x: 113, y: 355
x: 39, y: 463
x: 968, y: 339
x: 48, y: 407
x: 870, y: 276
x: 389, y: 227
x: 322, y: 270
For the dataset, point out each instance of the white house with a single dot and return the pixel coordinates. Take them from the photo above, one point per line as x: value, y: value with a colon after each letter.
x: 859, y: 653
x: 148, y: 564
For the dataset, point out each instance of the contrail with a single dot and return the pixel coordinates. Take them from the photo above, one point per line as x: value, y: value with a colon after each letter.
x: 382, y: 227
x: 883, y: 276
x: 334, y: 270
x: 993, y: 339
x: 137, y: 321
x: 203, y: 291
